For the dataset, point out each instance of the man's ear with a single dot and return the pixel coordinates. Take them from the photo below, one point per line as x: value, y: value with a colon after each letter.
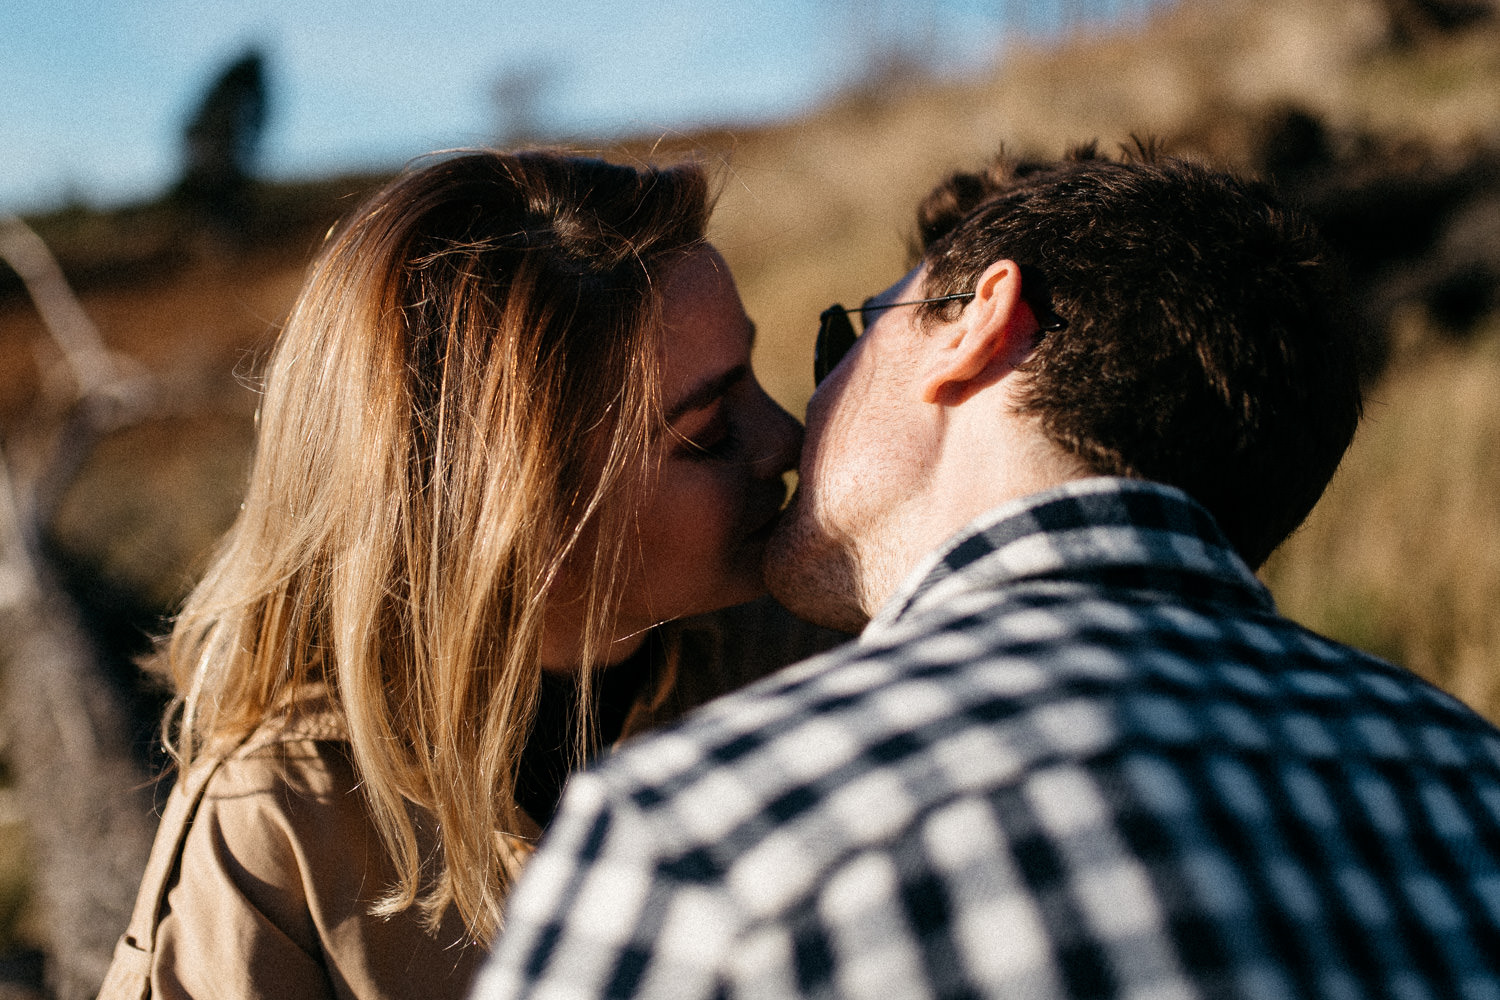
x: 995, y: 332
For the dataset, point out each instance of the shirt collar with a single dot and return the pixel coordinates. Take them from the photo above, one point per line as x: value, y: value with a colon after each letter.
x: 1084, y: 525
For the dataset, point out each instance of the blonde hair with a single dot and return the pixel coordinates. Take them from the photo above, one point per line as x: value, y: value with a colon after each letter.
x: 468, y: 379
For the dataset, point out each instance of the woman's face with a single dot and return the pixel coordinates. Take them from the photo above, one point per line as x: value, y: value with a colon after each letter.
x: 700, y: 533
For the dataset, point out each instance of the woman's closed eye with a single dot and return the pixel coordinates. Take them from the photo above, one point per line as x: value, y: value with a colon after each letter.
x: 717, y: 441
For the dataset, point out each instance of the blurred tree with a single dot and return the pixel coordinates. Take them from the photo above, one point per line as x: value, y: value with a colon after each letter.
x: 220, y: 143
x: 1414, y: 226
x: 85, y: 792
x: 1412, y: 21
x: 518, y: 93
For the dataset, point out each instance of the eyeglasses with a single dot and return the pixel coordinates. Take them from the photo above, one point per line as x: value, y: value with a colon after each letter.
x: 836, y: 333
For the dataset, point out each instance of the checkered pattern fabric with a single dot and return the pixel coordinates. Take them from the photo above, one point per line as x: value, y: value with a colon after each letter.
x: 1080, y: 755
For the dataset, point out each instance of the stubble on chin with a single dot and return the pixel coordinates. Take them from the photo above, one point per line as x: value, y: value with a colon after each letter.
x: 811, y: 573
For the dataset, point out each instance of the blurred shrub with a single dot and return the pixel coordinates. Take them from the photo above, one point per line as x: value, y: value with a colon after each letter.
x: 1402, y: 555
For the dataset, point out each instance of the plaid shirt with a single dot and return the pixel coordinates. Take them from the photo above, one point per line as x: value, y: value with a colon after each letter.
x: 1078, y: 755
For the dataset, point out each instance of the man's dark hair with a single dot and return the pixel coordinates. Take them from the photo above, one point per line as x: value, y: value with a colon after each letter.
x: 1206, y: 345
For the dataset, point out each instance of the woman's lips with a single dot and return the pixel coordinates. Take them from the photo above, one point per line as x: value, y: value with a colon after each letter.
x: 769, y: 513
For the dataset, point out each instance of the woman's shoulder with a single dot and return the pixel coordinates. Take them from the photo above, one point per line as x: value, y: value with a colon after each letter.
x: 283, y: 806
x: 302, y: 752
x: 283, y: 859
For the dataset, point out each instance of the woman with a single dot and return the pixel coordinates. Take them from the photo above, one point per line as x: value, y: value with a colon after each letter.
x: 509, y: 428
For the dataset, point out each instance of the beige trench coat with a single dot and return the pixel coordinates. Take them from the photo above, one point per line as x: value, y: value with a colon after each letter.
x: 266, y: 864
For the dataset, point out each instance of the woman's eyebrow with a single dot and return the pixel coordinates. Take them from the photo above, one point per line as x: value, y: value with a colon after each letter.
x: 707, y: 392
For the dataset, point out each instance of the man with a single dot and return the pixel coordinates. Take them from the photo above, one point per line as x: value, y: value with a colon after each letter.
x: 1074, y: 752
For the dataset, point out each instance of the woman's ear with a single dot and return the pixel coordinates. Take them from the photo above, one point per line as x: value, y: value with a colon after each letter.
x: 994, y: 333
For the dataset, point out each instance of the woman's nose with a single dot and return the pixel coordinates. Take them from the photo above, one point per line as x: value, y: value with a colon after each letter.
x: 781, y: 439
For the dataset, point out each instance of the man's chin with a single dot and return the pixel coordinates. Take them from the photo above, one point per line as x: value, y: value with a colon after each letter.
x: 812, y: 576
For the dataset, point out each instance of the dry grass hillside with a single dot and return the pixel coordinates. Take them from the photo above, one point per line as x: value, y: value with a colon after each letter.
x: 1382, y: 121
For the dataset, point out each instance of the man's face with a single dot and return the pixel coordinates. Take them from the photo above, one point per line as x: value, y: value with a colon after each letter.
x: 863, y: 453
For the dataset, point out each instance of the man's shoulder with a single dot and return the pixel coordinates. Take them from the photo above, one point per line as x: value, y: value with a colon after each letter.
x: 964, y: 702
x: 987, y: 750
x: 1033, y: 672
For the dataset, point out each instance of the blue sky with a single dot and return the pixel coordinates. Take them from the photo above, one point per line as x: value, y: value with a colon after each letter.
x: 97, y: 90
